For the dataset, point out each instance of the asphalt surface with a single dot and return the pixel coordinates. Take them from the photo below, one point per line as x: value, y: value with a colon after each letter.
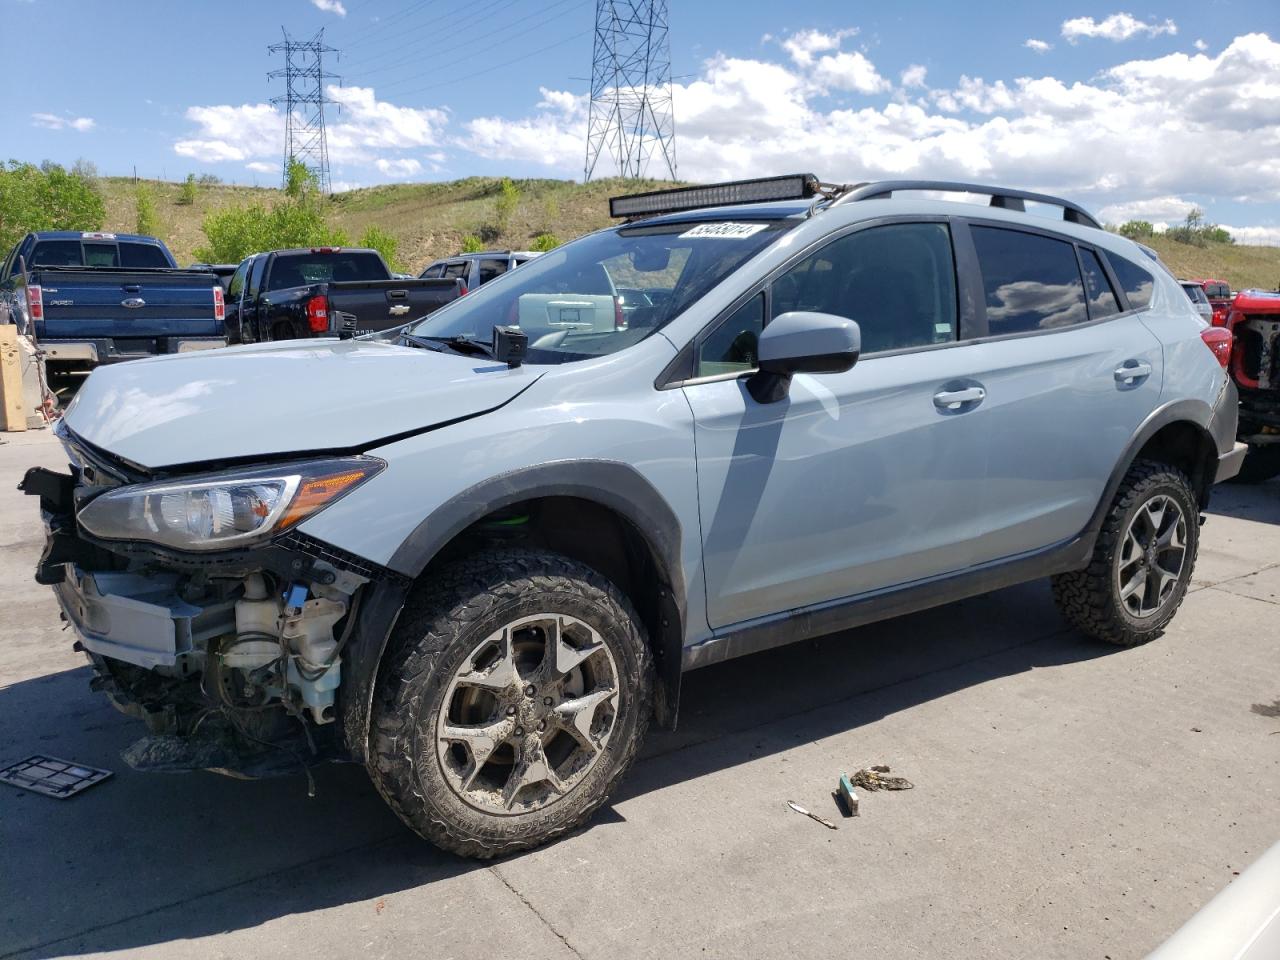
x: 1071, y: 800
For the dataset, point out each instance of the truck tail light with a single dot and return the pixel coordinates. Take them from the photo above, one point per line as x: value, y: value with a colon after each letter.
x: 219, y: 304
x: 619, y: 318
x: 462, y: 289
x: 1218, y: 341
x: 318, y: 313
x: 35, y: 302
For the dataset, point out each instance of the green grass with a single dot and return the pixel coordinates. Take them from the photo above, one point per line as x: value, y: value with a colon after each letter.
x: 430, y: 220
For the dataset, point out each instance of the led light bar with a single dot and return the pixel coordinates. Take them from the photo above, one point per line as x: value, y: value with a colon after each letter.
x: 797, y: 186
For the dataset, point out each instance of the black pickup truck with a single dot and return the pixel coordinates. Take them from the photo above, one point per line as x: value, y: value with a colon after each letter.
x: 325, y: 292
x: 93, y: 298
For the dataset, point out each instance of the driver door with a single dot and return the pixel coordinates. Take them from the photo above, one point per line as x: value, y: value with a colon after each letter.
x: 855, y: 481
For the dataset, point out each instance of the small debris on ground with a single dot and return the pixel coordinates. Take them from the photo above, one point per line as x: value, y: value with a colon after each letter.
x: 846, y: 798
x: 873, y: 778
x: 812, y: 816
x: 52, y: 777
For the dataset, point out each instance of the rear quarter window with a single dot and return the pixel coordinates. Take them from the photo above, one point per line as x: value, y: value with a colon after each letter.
x: 1136, y: 282
x: 57, y: 253
x: 1031, y: 282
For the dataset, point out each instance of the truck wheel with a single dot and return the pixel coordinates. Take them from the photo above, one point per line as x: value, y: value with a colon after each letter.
x: 516, y: 690
x: 282, y: 331
x: 1260, y: 463
x: 1142, y: 560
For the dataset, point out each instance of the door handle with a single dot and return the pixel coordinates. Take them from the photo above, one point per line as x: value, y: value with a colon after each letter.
x: 1132, y: 370
x: 955, y: 399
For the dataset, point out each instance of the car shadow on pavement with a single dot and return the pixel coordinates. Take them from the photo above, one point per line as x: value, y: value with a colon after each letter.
x: 145, y: 859
x: 1247, y: 501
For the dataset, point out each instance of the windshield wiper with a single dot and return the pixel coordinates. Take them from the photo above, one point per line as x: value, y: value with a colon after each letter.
x: 461, y: 343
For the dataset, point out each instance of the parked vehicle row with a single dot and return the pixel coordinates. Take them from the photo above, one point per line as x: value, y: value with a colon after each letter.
x: 477, y: 557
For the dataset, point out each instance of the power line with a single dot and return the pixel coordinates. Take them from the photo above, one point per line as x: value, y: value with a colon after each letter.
x: 304, y: 101
x: 500, y: 66
x: 374, y: 32
x: 630, y: 116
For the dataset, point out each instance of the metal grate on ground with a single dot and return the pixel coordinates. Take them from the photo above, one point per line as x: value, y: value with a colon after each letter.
x: 51, y: 776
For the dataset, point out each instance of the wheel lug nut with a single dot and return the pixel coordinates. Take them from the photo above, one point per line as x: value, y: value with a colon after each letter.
x: 529, y: 691
x: 546, y: 701
x: 542, y: 725
x: 519, y: 731
x: 511, y: 711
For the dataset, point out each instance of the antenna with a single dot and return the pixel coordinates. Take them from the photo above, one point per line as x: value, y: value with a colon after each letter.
x: 630, y: 115
x: 304, y: 102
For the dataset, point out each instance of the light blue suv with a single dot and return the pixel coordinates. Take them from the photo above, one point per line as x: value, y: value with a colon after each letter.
x: 477, y: 557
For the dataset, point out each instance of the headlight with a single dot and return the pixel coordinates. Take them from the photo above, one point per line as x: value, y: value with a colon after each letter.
x: 225, y: 511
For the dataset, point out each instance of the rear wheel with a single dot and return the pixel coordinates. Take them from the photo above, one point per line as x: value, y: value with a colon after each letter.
x: 1142, y: 561
x: 517, y: 692
x: 1262, y: 462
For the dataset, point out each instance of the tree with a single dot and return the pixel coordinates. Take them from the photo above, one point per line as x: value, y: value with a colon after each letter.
x: 508, y: 201
x: 236, y: 232
x: 46, y: 198
x: 187, y: 193
x: 1136, y: 229
x: 299, y: 181
x: 1196, y: 231
x: 145, y: 222
x: 378, y: 239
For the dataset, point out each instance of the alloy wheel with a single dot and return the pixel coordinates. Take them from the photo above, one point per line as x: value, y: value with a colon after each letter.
x: 1152, y: 555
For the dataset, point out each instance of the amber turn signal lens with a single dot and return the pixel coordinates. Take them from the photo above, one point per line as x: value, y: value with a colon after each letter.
x: 314, y: 494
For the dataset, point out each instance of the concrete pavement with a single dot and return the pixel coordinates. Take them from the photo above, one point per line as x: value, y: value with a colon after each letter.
x: 1071, y: 800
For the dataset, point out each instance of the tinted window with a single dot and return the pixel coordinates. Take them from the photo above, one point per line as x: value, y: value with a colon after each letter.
x: 1195, y: 292
x: 236, y: 287
x: 731, y: 347
x: 101, y: 255
x: 57, y: 253
x: 255, y: 275
x: 492, y: 268
x: 456, y: 271
x: 898, y: 282
x: 433, y: 272
x: 297, y: 270
x: 1219, y: 291
x: 1102, y: 299
x: 145, y: 255
x: 1030, y: 282
x: 1137, y: 283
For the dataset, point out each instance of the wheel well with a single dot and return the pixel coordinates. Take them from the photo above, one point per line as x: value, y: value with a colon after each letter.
x: 1188, y: 447
x: 607, y: 542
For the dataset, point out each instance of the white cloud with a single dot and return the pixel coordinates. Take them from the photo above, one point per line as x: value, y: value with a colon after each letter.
x: 261, y: 166
x: 1117, y: 27
x: 805, y: 43
x: 400, y: 167
x: 975, y: 94
x: 914, y: 76
x: 330, y: 6
x: 1039, y: 46
x: 1265, y: 236
x: 1155, y: 209
x: 1201, y: 46
x: 849, y: 71
x: 367, y: 129
x: 52, y: 121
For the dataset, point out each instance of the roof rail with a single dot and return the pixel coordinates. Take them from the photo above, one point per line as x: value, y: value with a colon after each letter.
x: 1000, y: 197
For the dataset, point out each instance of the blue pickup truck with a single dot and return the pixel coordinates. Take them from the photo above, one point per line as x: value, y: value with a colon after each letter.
x: 94, y: 298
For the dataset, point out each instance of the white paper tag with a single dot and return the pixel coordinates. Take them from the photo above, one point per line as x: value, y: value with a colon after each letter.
x: 725, y: 231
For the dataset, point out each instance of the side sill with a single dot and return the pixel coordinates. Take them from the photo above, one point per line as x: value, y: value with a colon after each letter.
x: 805, y: 623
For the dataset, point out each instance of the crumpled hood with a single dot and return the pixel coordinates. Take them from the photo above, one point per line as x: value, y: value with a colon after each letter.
x: 281, y: 398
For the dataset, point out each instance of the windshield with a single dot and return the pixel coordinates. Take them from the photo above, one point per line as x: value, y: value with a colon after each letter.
x: 606, y: 291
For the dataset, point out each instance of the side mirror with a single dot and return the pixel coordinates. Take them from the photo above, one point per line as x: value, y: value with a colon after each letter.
x: 802, y: 342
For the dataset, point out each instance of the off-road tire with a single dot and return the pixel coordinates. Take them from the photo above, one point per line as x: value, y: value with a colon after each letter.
x: 443, y: 620
x: 1089, y: 599
x: 1260, y: 464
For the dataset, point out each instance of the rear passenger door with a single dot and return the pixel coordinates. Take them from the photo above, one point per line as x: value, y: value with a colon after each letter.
x: 1070, y: 372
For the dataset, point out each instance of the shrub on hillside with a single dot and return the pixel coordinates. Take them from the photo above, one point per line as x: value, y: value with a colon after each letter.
x: 378, y: 239
x: 187, y: 192
x: 237, y: 232
x: 472, y: 244
x: 544, y: 242
x: 1136, y: 229
x: 46, y: 198
x: 145, y: 221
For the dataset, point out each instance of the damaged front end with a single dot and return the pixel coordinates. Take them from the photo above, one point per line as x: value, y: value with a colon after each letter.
x: 204, y: 612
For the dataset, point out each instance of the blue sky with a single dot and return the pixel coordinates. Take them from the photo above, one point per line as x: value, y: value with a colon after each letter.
x: 1137, y: 110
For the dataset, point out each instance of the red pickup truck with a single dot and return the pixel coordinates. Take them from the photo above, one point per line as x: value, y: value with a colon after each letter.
x: 1254, y: 321
x: 1219, y: 294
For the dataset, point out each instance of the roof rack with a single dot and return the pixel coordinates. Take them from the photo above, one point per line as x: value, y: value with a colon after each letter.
x: 1000, y: 197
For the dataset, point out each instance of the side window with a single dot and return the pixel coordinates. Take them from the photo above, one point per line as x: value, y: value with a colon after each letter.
x: 1136, y: 281
x: 897, y: 281
x: 236, y: 287
x: 457, y: 270
x: 731, y: 347
x: 142, y: 255
x: 492, y: 268
x: 255, y: 276
x: 434, y: 272
x: 1102, y: 299
x: 56, y: 253
x: 1030, y: 282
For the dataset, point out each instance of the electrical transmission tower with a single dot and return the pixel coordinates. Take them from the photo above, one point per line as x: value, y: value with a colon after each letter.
x: 630, y: 116
x: 304, y: 102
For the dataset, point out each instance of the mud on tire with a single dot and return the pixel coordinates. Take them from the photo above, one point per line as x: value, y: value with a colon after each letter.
x: 1090, y: 599
x: 438, y: 652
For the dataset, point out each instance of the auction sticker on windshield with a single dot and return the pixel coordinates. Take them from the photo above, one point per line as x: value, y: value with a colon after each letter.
x: 725, y: 231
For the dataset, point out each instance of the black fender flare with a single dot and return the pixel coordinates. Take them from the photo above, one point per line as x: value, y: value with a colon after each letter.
x: 613, y: 485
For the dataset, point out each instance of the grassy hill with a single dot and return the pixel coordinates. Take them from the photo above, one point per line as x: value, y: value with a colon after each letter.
x: 430, y: 220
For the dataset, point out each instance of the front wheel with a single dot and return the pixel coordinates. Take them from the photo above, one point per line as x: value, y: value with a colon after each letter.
x: 1142, y: 560
x: 517, y: 691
